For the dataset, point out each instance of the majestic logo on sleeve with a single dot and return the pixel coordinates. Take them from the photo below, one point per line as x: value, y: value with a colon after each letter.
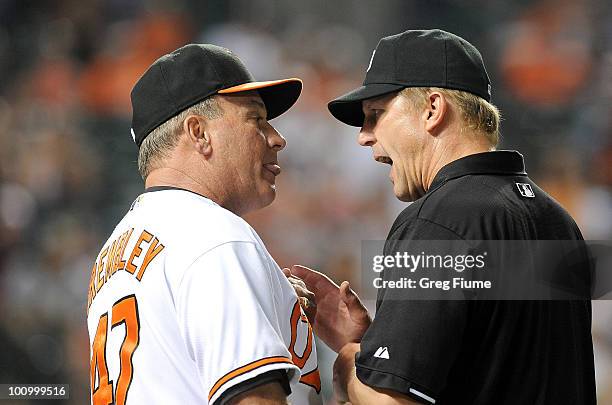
x: 382, y: 353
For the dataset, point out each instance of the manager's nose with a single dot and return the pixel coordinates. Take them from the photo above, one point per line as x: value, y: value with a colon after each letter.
x: 276, y: 141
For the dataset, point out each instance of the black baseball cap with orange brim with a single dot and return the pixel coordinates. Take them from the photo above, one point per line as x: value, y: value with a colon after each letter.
x: 190, y: 74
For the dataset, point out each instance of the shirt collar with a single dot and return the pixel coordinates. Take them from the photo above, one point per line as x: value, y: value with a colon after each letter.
x: 503, y: 162
x: 162, y: 188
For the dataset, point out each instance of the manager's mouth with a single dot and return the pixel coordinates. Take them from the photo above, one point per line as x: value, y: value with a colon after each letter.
x: 273, y: 167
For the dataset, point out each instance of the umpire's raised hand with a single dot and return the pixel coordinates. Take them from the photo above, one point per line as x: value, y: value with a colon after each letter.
x: 339, y: 317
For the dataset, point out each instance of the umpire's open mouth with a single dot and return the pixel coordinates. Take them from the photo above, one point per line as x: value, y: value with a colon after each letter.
x: 384, y: 159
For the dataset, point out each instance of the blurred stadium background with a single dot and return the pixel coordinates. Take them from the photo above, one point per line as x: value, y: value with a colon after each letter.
x: 67, y: 162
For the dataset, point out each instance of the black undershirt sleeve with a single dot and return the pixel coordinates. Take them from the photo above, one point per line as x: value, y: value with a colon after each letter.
x: 279, y: 376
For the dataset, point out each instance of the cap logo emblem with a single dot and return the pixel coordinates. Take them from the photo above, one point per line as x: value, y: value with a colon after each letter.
x: 371, y: 59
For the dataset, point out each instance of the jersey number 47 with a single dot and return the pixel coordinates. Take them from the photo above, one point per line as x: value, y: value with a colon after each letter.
x: 124, y: 311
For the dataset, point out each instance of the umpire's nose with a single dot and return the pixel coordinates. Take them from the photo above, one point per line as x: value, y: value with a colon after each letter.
x: 366, y: 137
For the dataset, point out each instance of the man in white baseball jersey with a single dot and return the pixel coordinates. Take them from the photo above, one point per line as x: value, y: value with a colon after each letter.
x: 186, y: 305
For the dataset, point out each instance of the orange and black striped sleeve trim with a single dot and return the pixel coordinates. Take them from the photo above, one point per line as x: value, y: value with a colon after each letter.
x: 245, y: 369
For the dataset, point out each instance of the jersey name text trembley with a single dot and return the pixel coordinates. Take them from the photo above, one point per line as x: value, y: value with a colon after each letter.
x: 111, y: 259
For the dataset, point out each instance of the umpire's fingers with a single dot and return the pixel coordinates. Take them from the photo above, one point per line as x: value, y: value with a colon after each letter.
x: 313, y: 279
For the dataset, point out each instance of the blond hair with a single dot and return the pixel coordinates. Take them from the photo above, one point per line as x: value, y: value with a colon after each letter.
x: 163, y: 139
x: 478, y: 114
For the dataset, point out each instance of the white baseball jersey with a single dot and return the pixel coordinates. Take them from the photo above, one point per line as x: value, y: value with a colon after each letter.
x: 185, y: 302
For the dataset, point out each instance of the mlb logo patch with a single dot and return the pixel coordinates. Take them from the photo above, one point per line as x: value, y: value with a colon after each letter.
x: 525, y: 190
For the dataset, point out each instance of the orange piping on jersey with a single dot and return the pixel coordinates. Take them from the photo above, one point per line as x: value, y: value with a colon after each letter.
x: 312, y: 379
x: 245, y: 369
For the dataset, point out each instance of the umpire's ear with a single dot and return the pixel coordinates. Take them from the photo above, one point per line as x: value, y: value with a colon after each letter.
x: 435, y: 114
x: 195, y: 128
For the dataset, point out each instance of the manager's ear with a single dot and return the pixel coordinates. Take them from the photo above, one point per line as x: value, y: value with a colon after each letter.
x: 195, y: 128
x: 436, y: 112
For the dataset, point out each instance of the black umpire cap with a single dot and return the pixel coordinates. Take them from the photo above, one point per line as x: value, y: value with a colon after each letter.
x: 416, y: 58
x: 190, y: 74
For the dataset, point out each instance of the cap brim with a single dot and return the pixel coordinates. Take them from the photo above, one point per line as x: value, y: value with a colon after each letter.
x: 277, y: 95
x: 347, y: 108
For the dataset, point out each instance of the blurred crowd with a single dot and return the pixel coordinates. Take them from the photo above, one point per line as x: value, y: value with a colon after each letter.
x: 68, y: 165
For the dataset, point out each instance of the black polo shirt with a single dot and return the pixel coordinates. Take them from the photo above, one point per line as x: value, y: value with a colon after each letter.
x: 481, y: 352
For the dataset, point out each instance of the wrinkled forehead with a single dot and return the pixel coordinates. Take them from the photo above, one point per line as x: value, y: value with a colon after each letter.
x: 250, y: 100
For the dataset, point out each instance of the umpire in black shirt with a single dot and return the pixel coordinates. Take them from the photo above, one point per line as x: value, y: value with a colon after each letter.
x: 425, y: 110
